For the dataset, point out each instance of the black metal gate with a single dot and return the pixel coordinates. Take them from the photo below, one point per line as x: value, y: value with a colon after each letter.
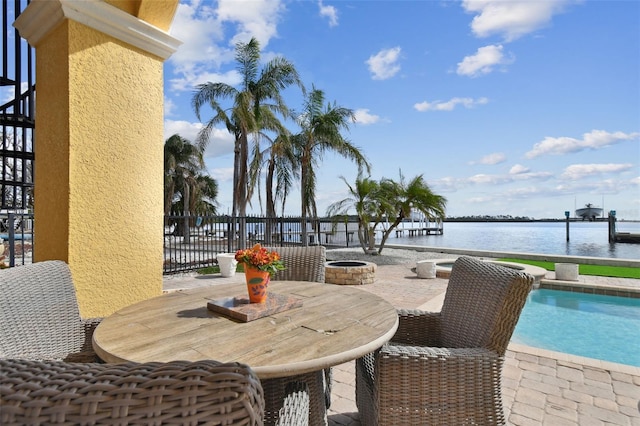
x: 17, y: 83
x: 17, y: 86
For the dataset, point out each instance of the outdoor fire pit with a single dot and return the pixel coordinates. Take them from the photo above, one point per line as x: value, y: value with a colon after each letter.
x: 349, y: 272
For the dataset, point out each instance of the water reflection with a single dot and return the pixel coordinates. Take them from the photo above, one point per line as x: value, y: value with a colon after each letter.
x: 624, y: 307
x: 586, y: 239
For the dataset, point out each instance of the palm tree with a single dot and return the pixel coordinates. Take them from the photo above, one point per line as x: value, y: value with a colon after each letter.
x: 407, y: 196
x: 320, y: 132
x: 281, y: 165
x: 376, y: 203
x: 183, y: 167
x: 363, y: 198
x: 182, y: 162
x: 203, y: 198
x: 282, y: 169
x: 249, y: 112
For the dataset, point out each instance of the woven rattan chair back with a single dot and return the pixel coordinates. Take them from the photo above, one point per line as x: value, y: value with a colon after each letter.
x: 302, y: 263
x: 177, y: 393
x: 482, y: 304
x: 39, y: 316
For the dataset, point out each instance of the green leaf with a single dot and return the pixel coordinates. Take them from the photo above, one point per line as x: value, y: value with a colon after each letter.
x: 256, y: 280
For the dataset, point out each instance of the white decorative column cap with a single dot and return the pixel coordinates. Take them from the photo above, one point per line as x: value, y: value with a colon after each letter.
x: 42, y: 16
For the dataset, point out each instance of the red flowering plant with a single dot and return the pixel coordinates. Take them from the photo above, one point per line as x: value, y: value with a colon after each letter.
x: 260, y: 258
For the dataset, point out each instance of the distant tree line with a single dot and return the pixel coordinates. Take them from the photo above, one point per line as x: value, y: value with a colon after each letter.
x: 489, y: 218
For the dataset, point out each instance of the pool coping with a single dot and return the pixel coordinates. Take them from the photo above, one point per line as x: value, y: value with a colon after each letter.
x: 576, y: 359
x: 537, y: 272
x: 582, y: 287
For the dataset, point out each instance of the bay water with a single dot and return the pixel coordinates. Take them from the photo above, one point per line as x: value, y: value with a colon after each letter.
x: 585, y: 238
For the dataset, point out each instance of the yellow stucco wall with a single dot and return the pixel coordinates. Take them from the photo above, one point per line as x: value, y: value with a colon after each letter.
x: 155, y: 12
x: 110, y: 183
x: 51, y: 168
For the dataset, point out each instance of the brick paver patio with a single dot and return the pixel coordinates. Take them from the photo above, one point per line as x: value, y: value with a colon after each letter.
x: 539, y: 387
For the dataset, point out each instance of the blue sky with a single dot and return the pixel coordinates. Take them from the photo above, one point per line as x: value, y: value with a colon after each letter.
x: 505, y: 107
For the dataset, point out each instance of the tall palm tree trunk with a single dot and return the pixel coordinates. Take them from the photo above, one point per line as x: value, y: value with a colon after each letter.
x: 186, y: 234
x: 242, y: 190
x: 304, y: 178
x: 271, y: 206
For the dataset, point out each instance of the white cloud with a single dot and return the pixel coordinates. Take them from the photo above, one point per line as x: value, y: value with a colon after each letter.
x: 199, y: 30
x: 596, y: 139
x: 523, y: 192
x: 580, y: 171
x: 8, y: 93
x: 480, y: 200
x: 491, y: 159
x: 488, y: 179
x: 450, y: 104
x: 200, y: 27
x: 483, y: 62
x: 516, y: 174
x: 255, y: 18
x: 220, y: 141
x: 222, y: 174
x: 384, y: 64
x: 183, y: 128
x: 363, y: 117
x: 446, y: 184
x: 329, y: 12
x: 188, y: 80
x: 484, y: 179
x: 512, y: 19
x: 169, y: 107
x: 531, y: 175
x: 518, y: 169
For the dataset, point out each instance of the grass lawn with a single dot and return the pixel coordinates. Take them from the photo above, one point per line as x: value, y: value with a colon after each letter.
x: 598, y: 270
x: 216, y: 269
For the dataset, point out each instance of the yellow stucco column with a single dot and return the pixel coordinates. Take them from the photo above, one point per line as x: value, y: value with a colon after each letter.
x: 99, y: 145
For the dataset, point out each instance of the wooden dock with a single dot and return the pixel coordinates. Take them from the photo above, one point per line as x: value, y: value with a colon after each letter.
x: 620, y: 237
x: 311, y: 235
x: 626, y: 237
x: 423, y: 230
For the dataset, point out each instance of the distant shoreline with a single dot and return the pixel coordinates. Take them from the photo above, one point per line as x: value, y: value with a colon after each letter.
x: 571, y: 219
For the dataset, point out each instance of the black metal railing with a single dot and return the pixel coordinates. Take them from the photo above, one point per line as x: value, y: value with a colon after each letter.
x: 193, y: 242
x: 17, y: 113
x: 16, y: 238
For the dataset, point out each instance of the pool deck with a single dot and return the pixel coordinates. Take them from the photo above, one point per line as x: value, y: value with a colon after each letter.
x: 538, y: 386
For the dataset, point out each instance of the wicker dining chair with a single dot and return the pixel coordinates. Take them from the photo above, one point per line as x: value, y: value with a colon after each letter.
x: 304, y: 264
x: 177, y: 392
x: 301, y: 263
x: 40, y: 318
x: 444, y: 367
x: 49, y: 372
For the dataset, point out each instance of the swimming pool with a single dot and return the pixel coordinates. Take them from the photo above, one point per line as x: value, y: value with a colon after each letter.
x: 589, y: 325
x: 17, y: 236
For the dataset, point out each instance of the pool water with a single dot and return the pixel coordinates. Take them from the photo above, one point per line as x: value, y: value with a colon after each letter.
x: 589, y: 325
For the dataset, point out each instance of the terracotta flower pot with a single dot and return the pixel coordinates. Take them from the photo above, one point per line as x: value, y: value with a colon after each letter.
x: 257, y: 283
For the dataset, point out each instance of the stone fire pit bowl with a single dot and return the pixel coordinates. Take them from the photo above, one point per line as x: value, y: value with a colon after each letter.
x: 349, y: 272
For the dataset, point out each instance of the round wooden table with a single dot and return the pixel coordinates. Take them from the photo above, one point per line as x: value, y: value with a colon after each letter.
x: 335, y: 324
